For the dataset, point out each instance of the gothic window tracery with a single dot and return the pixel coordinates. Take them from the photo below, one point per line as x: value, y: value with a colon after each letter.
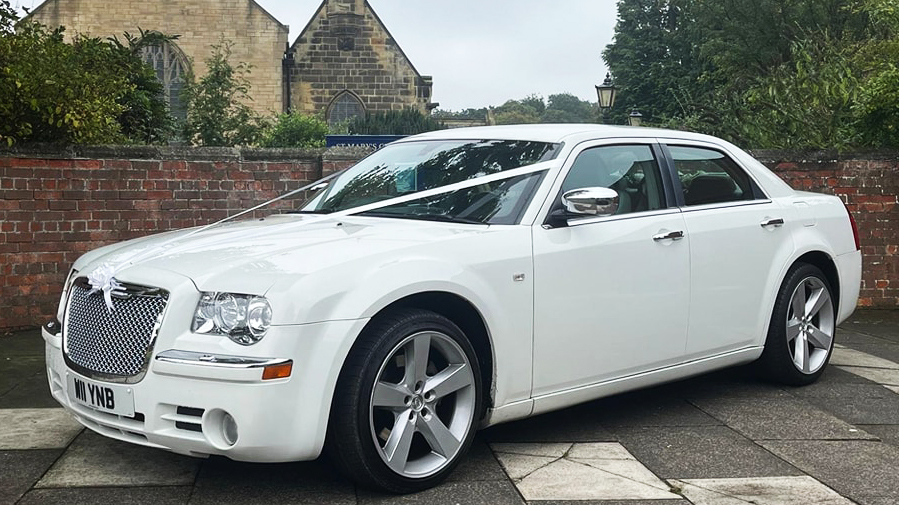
x: 171, y: 69
x: 344, y: 107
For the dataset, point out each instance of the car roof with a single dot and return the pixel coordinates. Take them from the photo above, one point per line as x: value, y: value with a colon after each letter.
x: 556, y: 133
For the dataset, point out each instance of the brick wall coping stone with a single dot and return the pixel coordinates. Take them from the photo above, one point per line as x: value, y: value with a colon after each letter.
x: 183, y: 153
x: 774, y: 156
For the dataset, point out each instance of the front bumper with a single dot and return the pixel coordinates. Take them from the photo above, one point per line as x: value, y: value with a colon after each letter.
x: 181, y: 401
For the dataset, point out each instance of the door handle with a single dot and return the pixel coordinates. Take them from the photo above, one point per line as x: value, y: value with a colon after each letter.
x: 776, y: 222
x: 672, y: 235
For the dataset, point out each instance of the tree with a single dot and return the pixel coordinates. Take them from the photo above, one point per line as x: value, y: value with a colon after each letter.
x: 765, y: 73
x: 525, y: 111
x: 217, y: 110
x: 654, y: 57
x: 567, y: 108
x: 562, y: 108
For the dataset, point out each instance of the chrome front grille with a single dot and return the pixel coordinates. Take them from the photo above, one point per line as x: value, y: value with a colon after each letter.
x: 111, y: 344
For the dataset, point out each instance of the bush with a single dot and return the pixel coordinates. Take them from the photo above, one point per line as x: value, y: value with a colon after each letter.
x: 393, y: 122
x: 295, y: 130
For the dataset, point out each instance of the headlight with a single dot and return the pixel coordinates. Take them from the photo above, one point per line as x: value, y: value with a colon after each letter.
x: 243, y: 318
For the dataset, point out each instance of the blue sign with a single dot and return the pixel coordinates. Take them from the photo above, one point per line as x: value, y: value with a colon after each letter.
x: 374, y: 141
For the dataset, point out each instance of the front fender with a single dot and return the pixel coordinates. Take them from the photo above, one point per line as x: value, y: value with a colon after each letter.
x: 493, y: 273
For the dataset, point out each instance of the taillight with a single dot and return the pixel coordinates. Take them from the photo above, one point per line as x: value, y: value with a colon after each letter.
x: 858, y: 245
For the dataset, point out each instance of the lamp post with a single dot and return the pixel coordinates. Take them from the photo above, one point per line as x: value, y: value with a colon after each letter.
x: 634, y: 118
x: 605, y: 92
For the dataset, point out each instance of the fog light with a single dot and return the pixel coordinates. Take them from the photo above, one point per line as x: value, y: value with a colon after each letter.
x: 229, y: 429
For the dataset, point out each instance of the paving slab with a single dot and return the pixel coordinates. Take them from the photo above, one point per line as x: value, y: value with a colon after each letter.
x: 883, y: 324
x: 581, y: 423
x: 224, y: 481
x: 885, y: 376
x: 450, y: 493
x: 851, y: 357
x: 701, y: 452
x: 22, y: 343
x: 863, y: 471
x: 851, y: 338
x: 108, y: 495
x: 19, y: 470
x: 652, y: 408
x: 611, y: 502
x: 888, y: 351
x: 833, y: 375
x: 781, y: 416
x: 36, y: 429
x: 887, y: 433
x: 894, y: 389
x: 94, y: 460
x: 766, y: 491
x: 478, y: 464
x: 854, y: 403
x: 23, y: 383
x: 585, y: 471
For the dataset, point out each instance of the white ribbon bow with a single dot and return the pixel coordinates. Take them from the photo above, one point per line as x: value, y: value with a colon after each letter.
x: 101, y: 279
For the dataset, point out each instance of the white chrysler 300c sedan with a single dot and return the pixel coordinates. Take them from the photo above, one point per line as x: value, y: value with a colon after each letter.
x: 450, y: 281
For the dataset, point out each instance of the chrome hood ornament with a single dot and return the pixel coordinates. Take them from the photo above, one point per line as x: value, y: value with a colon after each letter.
x: 101, y: 279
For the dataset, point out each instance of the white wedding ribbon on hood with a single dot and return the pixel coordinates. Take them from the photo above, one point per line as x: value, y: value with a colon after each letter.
x: 102, y: 278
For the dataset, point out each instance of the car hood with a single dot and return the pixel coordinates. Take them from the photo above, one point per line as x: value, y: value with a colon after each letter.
x: 251, y: 256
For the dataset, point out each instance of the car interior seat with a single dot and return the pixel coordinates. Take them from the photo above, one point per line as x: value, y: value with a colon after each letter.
x: 710, y: 188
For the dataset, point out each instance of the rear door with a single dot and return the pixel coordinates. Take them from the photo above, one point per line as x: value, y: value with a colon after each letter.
x: 738, y: 246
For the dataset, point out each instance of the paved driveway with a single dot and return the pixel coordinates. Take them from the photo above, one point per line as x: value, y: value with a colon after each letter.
x: 723, y: 438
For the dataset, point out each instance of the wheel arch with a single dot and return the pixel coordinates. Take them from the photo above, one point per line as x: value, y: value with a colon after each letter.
x: 826, y: 264
x: 467, y: 317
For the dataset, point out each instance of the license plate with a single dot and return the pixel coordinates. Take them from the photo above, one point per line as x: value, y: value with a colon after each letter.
x: 110, y: 398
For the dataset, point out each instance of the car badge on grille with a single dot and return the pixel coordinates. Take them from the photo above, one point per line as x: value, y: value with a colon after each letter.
x: 101, y: 279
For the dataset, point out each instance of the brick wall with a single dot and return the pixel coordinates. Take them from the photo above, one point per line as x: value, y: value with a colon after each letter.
x: 56, y: 205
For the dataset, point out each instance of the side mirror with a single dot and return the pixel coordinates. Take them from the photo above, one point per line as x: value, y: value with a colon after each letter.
x: 595, y: 202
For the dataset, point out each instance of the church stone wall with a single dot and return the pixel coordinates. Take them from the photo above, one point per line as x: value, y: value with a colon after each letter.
x: 346, y: 47
x: 259, y: 39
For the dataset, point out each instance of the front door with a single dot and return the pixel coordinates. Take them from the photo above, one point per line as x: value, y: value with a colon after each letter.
x: 611, y: 293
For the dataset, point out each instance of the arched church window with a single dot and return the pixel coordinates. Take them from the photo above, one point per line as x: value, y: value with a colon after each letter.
x: 345, y: 107
x: 171, y: 69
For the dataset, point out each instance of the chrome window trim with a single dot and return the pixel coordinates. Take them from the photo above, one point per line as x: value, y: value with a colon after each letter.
x: 724, y: 205
x: 622, y: 217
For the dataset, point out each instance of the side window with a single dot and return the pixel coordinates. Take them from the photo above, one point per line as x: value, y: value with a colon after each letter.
x: 631, y: 170
x: 709, y: 176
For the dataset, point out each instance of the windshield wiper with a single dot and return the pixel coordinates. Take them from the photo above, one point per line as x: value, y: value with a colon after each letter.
x: 445, y: 218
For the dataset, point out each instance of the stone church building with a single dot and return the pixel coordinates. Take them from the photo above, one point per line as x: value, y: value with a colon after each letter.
x: 344, y: 63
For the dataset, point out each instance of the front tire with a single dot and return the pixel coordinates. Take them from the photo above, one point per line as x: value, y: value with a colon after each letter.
x: 406, y: 403
x: 801, y: 333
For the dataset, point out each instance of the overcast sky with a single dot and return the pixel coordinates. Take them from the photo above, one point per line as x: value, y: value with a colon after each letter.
x: 484, y: 52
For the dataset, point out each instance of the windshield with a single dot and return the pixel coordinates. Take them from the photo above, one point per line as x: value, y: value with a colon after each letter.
x: 410, y: 167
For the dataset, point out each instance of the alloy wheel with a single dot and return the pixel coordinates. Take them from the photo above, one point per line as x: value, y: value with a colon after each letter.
x: 810, y: 325
x: 422, y: 404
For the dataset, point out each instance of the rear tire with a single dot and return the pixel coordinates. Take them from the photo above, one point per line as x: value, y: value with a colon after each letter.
x: 801, y: 333
x: 406, y: 403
